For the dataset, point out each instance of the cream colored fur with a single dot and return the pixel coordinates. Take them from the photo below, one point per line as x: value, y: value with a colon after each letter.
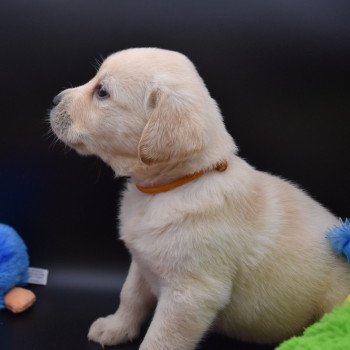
x: 241, y: 251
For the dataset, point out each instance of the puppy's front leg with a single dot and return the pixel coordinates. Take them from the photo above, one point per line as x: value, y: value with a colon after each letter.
x: 136, y: 302
x: 182, y: 318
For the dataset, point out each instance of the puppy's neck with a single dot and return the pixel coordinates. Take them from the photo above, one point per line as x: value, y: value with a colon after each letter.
x: 174, y: 175
x: 220, y: 166
x: 161, y: 174
x: 164, y: 173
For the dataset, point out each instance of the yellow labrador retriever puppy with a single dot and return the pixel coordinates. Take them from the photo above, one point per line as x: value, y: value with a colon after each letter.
x: 214, y: 242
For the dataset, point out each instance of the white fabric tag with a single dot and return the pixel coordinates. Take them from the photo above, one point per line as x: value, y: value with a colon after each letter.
x: 38, y: 276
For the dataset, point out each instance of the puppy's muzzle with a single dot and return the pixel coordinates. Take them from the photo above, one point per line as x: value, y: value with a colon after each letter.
x: 60, y: 123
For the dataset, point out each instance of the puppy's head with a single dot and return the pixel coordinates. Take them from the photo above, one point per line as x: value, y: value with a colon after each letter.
x: 144, y: 107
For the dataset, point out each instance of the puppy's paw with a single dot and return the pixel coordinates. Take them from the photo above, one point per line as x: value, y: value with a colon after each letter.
x: 111, y: 331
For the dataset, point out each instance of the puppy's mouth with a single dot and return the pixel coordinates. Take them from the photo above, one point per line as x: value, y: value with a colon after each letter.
x: 61, y: 124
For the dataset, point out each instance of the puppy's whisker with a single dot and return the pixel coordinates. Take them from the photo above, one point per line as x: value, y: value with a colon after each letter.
x: 54, y: 143
x: 48, y: 135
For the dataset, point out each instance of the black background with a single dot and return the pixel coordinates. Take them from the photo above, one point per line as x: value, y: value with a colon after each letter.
x: 278, y: 69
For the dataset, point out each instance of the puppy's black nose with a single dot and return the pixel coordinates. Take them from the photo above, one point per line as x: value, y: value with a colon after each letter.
x: 57, y: 99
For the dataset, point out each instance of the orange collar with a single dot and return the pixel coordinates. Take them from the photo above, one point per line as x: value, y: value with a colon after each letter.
x: 222, y: 166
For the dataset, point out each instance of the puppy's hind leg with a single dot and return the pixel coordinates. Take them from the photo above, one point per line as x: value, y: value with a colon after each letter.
x: 136, y: 302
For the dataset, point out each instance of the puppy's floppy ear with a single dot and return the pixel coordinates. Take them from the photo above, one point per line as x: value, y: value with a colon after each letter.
x: 174, y: 130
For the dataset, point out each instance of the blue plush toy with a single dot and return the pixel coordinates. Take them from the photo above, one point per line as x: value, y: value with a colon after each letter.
x: 339, y: 237
x: 14, y: 262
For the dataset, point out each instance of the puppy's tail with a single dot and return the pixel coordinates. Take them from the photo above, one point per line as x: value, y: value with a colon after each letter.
x: 339, y: 238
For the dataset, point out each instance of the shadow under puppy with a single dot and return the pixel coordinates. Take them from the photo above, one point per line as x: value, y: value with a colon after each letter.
x: 214, y: 242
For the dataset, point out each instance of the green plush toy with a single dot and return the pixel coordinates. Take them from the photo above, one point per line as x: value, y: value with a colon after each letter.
x: 332, y: 332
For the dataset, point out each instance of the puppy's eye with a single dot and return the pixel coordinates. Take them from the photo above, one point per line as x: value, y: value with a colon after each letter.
x: 101, y: 92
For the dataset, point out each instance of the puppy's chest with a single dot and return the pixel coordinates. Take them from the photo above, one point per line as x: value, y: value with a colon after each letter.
x: 153, y: 235
x: 139, y: 221
x: 146, y: 228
